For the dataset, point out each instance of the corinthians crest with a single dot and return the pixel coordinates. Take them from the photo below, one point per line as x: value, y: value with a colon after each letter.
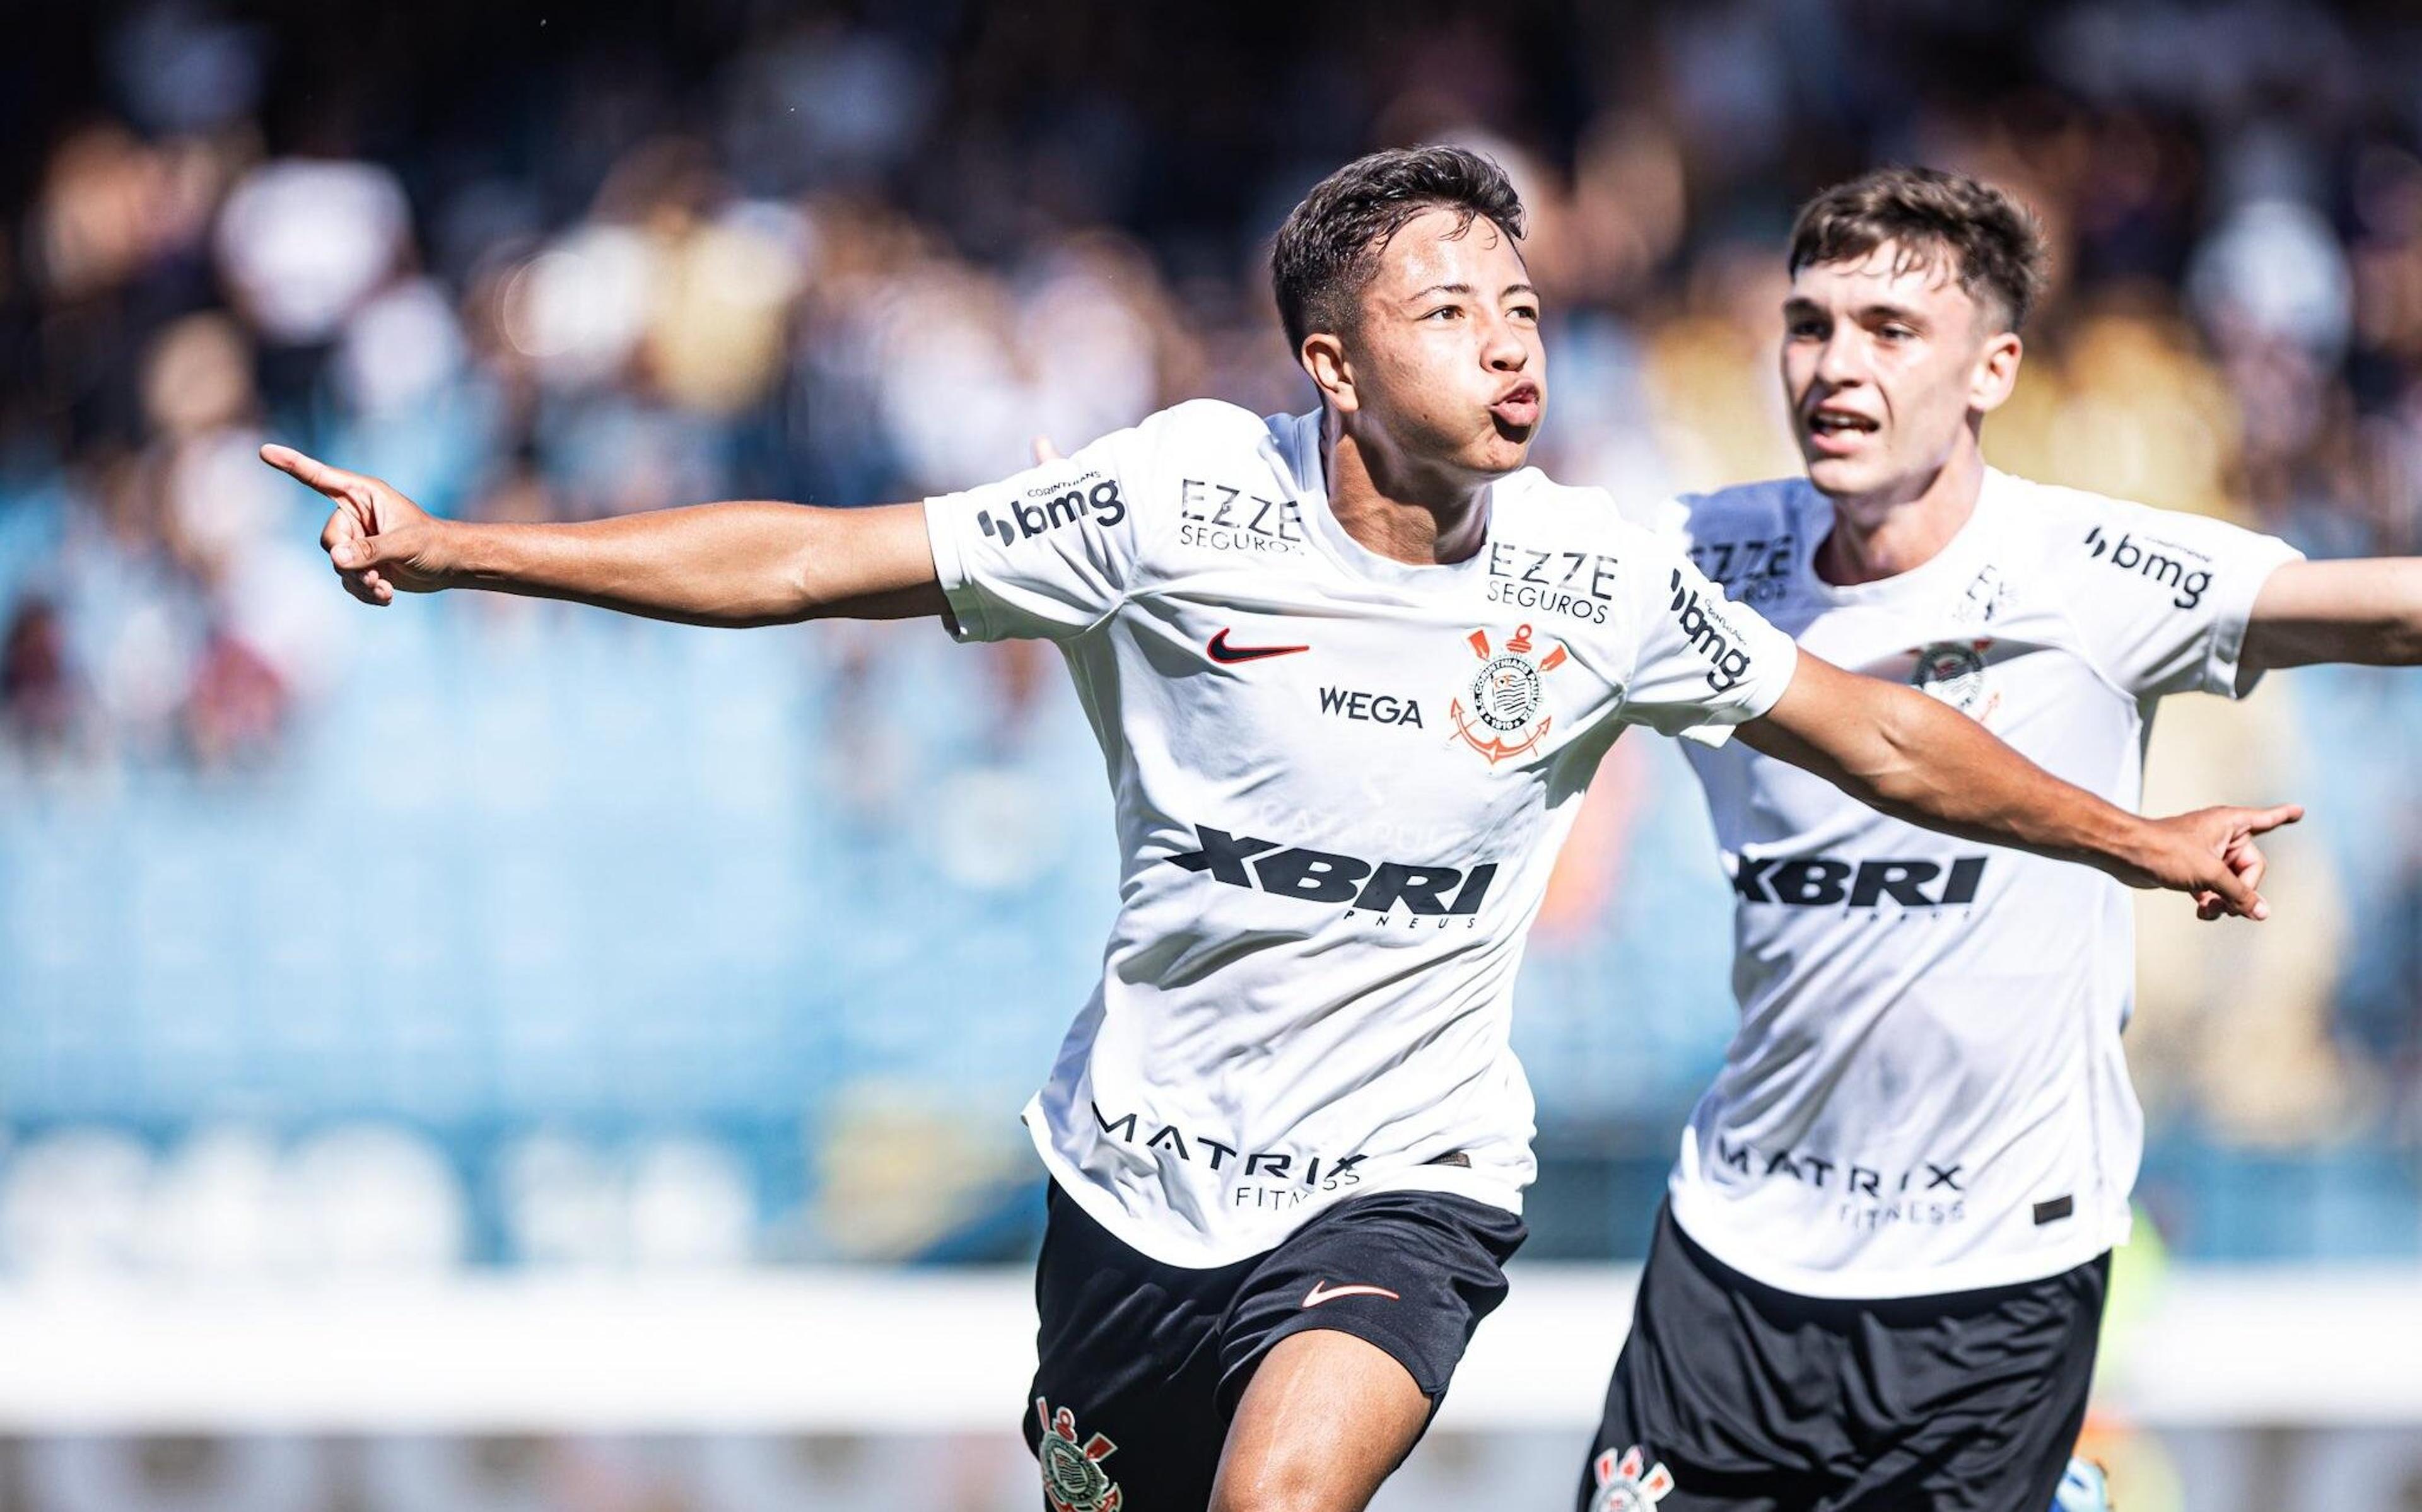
x: 1954, y: 671
x: 1073, y: 1477
x: 1622, y: 1486
x: 1503, y: 713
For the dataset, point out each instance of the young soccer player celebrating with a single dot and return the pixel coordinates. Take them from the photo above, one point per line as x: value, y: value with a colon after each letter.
x: 1351, y: 672
x: 1878, y: 1275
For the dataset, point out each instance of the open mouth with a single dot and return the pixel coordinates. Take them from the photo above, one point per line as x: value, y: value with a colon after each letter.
x: 1837, y: 430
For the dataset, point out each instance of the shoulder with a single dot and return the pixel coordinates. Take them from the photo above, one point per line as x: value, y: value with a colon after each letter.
x: 1206, y: 423
x: 1745, y: 510
x: 2094, y: 545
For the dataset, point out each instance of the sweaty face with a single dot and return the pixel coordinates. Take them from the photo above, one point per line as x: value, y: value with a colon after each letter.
x: 1883, y: 358
x: 1446, y: 354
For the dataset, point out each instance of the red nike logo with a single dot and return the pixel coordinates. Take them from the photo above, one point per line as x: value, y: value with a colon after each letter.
x: 1323, y: 1292
x: 1227, y: 655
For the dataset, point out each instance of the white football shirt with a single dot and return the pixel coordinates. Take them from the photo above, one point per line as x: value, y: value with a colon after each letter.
x: 1341, y: 781
x: 1926, y: 1092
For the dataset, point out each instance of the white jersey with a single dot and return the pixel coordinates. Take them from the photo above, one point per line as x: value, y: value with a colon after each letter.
x: 1926, y: 1092
x: 1341, y: 783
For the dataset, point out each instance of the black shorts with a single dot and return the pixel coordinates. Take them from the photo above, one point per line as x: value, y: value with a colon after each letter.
x: 1750, y: 1400
x: 1142, y: 1363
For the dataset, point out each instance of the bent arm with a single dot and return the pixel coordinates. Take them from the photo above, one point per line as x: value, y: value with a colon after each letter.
x: 715, y: 564
x: 2368, y: 611
x: 1919, y: 760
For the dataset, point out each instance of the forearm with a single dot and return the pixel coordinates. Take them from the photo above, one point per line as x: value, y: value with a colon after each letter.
x: 1935, y: 767
x: 715, y: 564
x: 2365, y: 612
x: 1909, y: 755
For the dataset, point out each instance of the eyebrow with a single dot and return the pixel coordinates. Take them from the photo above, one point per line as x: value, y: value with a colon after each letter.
x: 1878, y: 310
x: 1465, y: 288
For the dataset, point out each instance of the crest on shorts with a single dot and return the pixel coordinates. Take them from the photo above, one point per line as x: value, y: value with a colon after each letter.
x: 1073, y: 1477
x: 1954, y: 671
x: 1504, y: 711
x: 1625, y: 1482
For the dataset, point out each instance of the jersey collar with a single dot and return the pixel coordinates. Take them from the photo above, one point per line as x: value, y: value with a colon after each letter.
x: 1297, y: 438
x: 1960, y: 556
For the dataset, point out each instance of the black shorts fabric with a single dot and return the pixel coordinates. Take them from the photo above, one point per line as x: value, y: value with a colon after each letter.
x: 1142, y: 1364
x: 1733, y: 1396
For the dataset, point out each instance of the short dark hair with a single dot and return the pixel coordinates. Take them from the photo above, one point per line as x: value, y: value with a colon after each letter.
x: 1996, y: 243
x: 1328, y: 249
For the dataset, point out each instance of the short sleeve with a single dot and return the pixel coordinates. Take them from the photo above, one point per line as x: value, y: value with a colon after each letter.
x: 1046, y: 554
x: 1704, y: 663
x: 2161, y: 598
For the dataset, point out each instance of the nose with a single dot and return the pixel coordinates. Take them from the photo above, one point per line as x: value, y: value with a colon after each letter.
x: 1841, y: 362
x: 1502, y: 347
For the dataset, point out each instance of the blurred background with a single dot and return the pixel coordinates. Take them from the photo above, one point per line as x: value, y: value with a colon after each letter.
x: 483, y: 943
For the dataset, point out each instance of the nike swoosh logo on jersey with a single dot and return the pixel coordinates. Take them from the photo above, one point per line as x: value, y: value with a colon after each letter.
x: 1323, y: 1292
x: 1227, y: 655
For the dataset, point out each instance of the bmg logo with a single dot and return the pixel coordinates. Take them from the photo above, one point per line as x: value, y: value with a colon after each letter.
x: 2169, y: 572
x: 1052, y: 509
x: 1706, y: 635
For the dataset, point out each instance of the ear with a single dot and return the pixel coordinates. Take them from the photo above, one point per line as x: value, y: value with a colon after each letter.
x: 1996, y: 372
x: 1324, y: 357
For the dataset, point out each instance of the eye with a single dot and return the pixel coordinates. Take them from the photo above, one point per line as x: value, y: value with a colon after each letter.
x: 1446, y: 311
x: 1525, y: 312
x: 1894, y: 331
x: 1806, y: 326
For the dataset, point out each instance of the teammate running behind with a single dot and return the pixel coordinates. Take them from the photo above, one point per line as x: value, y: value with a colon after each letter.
x: 1879, y: 1276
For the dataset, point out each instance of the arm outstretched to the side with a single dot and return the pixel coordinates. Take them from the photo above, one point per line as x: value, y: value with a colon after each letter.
x: 710, y: 564
x: 2366, y: 611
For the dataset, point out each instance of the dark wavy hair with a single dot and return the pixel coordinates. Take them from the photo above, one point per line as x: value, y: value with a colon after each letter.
x: 1328, y: 249
x: 1996, y: 243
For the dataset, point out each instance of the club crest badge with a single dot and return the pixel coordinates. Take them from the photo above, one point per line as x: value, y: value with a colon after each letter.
x: 1073, y: 1477
x: 1503, y: 712
x: 1626, y: 1483
x: 1953, y: 672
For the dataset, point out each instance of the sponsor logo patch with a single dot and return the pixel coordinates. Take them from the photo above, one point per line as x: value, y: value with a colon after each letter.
x: 2165, y: 562
x: 1371, y: 708
x: 1628, y: 1482
x: 1073, y: 1477
x: 1047, y: 507
x: 1707, y: 632
x: 1821, y: 881
x: 1331, y: 877
x: 1506, y: 713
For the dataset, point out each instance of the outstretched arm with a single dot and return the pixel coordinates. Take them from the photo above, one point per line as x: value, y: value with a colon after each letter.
x: 1917, y: 759
x: 2368, y: 611
x: 710, y: 564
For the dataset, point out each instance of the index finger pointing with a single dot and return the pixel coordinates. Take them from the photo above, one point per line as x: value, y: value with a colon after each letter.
x: 310, y: 471
x: 2263, y: 820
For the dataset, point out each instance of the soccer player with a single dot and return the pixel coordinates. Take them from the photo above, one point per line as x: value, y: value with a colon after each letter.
x: 1351, y: 672
x: 1878, y: 1278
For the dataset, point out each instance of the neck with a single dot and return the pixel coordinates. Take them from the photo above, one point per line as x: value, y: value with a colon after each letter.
x: 1396, y: 508
x: 1881, y: 536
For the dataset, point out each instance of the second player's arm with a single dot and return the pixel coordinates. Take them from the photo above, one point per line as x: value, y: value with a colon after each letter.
x: 712, y: 564
x: 1916, y: 759
x: 2368, y: 612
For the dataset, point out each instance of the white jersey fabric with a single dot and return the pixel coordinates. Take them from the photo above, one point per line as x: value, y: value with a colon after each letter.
x: 1341, y: 783
x: 1926, y: 1092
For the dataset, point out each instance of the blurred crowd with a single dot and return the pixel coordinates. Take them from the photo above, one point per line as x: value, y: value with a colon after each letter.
x: 543, y: 266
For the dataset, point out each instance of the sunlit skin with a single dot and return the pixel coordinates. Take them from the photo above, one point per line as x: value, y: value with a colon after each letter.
x: 1891, y: 366
x: 1436, y: 391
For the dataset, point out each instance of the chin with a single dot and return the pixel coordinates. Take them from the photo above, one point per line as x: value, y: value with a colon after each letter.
x: 1500, y: 454
x: 1839, y: 476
